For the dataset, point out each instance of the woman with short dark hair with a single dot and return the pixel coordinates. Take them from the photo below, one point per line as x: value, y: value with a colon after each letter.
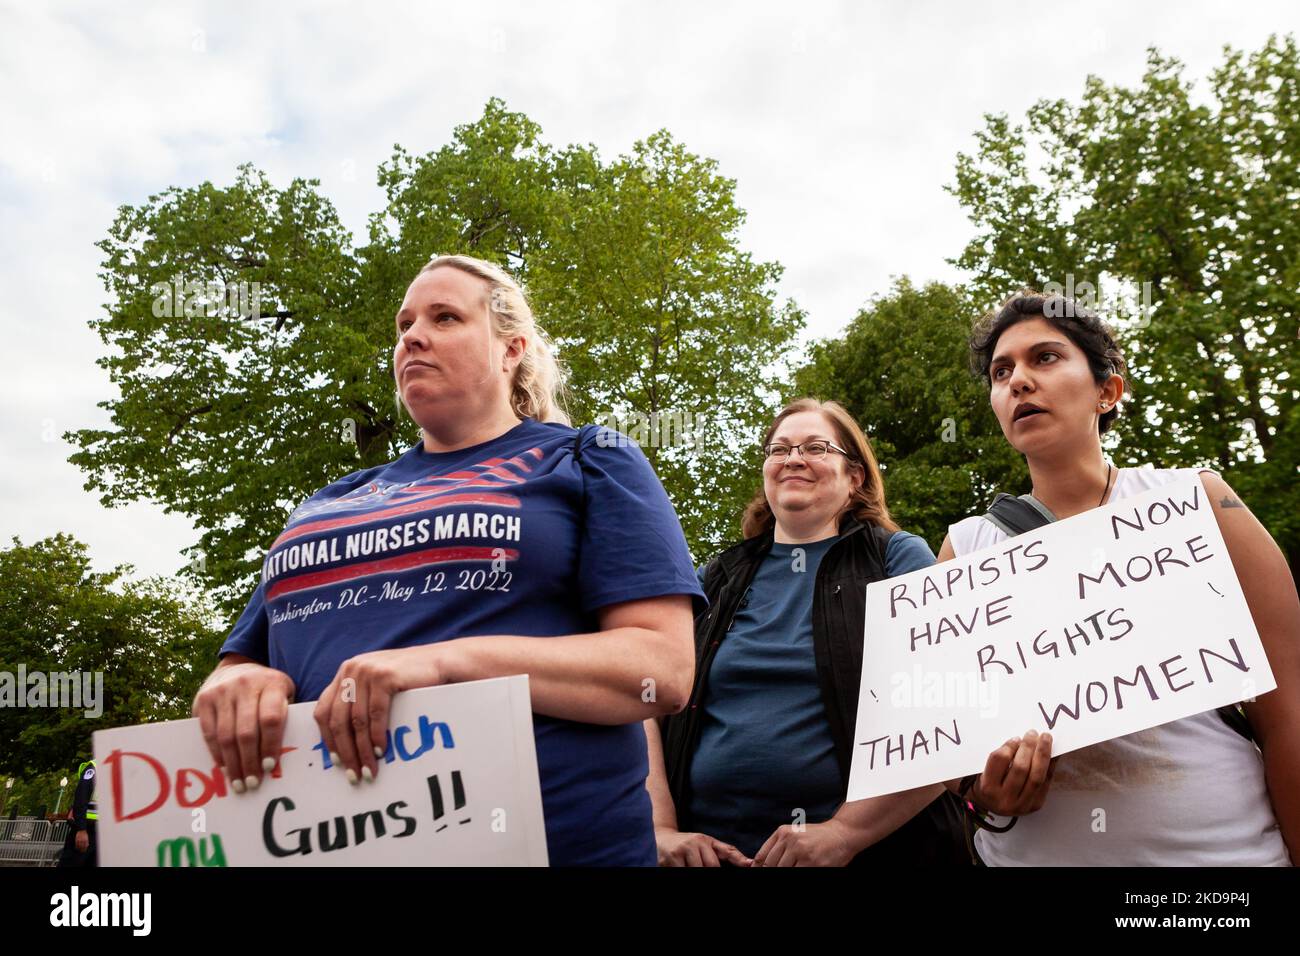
x: 1192, y: 792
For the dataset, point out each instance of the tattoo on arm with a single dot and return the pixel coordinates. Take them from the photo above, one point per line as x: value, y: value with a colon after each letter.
x: 1230, y: 502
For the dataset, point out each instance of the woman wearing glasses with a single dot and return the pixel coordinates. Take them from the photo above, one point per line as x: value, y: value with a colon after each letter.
x: 754, y: 771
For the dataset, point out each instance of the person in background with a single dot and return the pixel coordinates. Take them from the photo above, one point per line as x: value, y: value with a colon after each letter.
x: 754, y: 772
x: 81, y: 848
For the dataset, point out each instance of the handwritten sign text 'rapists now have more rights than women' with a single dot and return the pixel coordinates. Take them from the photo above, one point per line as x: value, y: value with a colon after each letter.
x: 1106, y: 623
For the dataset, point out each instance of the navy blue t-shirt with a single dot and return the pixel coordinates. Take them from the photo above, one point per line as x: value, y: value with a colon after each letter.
x: 765, y: 755
x: 512, y: 536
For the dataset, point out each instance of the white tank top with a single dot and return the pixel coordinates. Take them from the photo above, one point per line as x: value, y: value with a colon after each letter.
x: 1187, y: 793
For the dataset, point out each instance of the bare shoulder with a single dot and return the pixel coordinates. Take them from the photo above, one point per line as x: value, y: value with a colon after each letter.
x: 1221, y: 494
x: 1254, y: 552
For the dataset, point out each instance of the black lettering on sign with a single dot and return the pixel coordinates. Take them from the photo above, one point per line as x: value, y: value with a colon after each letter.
x: 457, y: 797
x: 1238, y: 662
x: 898, y: 593
x: 1089, y: 633
x: 954, y: 577
x: 1156, y: 513
x: 1095, y: 696
x: 956, y: 624
x: 896, y: 749
x: 1139, y: 567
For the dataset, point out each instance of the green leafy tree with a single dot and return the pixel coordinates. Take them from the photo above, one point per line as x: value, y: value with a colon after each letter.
x: 232, y: 394
x: 666, y: 325
x: 31, y: 792
x: 151, y: 641
x: 232, y: 419
x: 1197, y: 199
x: 901, y: 369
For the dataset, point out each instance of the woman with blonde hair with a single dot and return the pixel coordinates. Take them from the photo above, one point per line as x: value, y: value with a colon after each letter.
x: 526, y: 546
x: 754, y: 771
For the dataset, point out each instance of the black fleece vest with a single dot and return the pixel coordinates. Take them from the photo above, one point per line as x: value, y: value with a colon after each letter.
x: 933, y: 837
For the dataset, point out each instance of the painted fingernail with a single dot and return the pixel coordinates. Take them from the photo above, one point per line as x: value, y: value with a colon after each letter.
x: 237, y: 785
x: 352, y: 776
x: 252, y: 782
x: 334, y: 758
x: 366, y: 775
x: 268, y: 764
x: 379, y: 751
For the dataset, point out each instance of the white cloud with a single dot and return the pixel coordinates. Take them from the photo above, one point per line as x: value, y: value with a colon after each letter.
x: 840, y: 123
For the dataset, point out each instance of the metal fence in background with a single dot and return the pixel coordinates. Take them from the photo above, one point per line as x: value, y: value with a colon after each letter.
x: 31, y: 841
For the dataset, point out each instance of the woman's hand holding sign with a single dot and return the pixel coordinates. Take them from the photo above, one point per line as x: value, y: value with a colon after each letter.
x: 1016, y: 776
x: 352, y: 712
x: 242, y: 708
x: 599, y: 677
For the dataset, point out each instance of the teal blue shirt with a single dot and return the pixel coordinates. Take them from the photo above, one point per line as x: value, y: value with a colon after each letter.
x: 765, y: 755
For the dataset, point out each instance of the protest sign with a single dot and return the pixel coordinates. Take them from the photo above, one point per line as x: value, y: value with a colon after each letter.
x: 1106, y: 623
x: 457, y: 786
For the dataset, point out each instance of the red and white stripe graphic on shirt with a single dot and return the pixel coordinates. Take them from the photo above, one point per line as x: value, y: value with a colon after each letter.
x: 425, y: 494
x: 434, y: 491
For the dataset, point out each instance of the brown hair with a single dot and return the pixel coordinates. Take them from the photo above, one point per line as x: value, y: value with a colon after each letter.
x: 866, y: 503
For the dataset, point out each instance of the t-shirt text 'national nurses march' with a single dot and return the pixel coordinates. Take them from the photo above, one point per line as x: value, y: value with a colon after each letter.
x: 426, y: 511
x: 513, y: 536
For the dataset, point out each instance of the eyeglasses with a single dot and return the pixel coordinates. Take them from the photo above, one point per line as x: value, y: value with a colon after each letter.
x: 810, y: 450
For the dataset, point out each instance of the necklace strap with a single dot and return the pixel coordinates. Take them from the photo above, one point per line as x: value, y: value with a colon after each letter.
x: 1111, y: 470
x: 1106, y: 491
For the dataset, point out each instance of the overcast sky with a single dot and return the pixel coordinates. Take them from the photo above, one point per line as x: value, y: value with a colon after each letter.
x: 840, y: 123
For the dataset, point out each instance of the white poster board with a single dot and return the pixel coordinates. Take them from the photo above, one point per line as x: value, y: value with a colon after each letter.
x: 458, y: 786
x: 1106, y: 623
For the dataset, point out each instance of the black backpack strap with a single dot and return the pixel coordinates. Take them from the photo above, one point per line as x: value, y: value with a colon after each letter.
x: 1015, y: 516
x: 1234, y: 715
